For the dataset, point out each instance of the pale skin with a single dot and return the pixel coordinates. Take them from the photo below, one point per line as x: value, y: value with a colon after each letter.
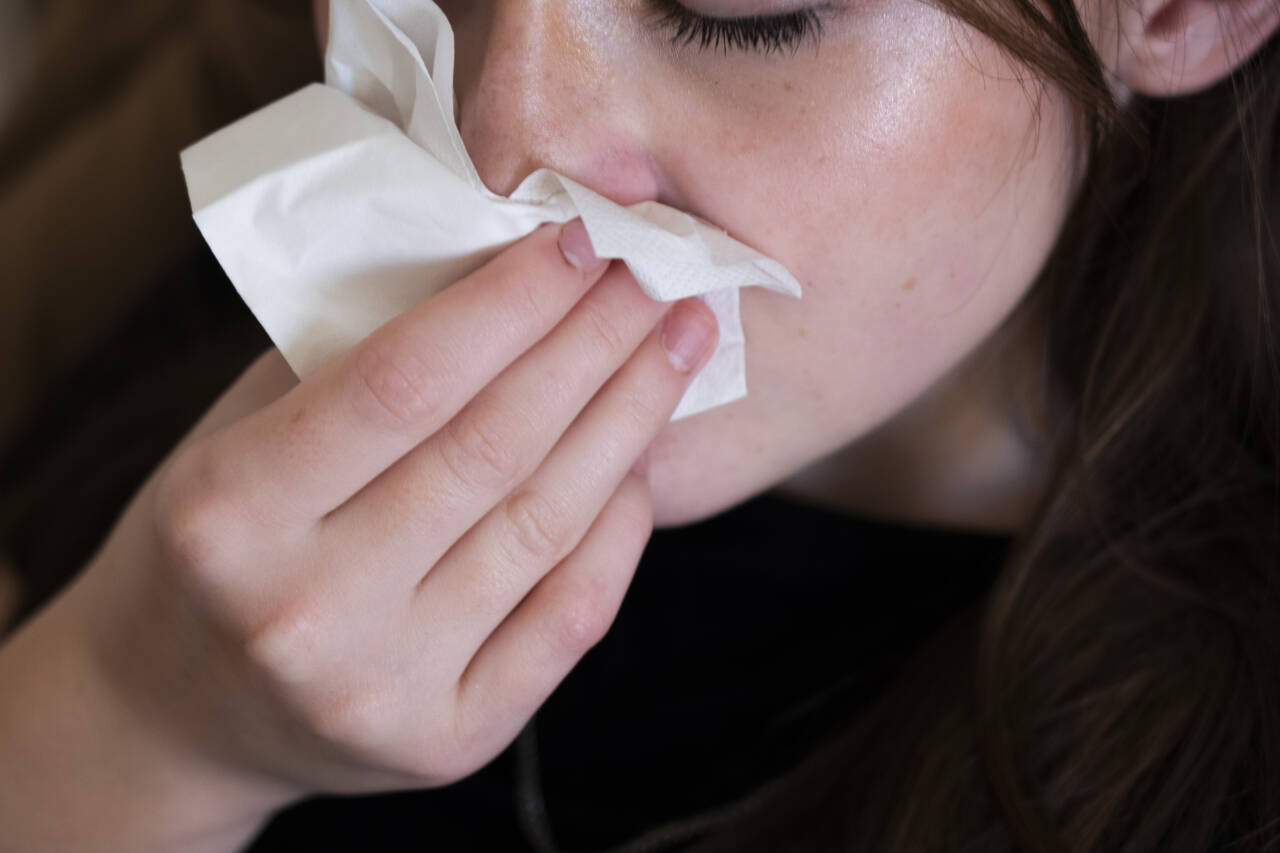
x: 370, y: 580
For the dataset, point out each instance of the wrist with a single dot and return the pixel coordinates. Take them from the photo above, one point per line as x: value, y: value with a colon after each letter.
x: 86, y: 769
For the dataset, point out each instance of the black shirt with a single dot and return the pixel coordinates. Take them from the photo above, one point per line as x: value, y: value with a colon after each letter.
x: 743, y: 643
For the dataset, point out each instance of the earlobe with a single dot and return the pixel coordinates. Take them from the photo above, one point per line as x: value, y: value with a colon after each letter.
x: 1178, y: 47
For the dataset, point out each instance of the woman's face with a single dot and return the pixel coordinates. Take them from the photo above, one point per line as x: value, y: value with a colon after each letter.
x: 899, y: 166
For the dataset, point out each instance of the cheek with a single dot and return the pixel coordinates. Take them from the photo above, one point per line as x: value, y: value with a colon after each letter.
x: 915, y: 193
x: 914, y: 188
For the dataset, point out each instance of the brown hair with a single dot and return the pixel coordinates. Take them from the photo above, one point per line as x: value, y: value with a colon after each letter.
x: 1120, y: 687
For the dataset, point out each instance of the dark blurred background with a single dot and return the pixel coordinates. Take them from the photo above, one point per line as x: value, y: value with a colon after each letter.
x: 117, y: 329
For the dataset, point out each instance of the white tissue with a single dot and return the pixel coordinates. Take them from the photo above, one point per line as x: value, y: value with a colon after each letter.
x: 342, y: 205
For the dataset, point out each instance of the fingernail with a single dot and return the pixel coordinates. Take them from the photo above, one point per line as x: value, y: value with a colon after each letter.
x: 686, y: 336
x: 575, y: 245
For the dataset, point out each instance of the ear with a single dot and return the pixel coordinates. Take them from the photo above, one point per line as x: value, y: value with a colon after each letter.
x: 1177, y: 47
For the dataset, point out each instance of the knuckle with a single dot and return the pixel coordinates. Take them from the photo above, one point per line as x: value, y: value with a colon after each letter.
x: 582, y: 615
x: 603, y: 328
x: 196, y: 522
x: 292, y: 650
x: 640, y: 408
x: 284, y: 644
x: 526, y: 295
x: 538, y: 529
x: 537, y: 280
x: 477, y: 453
x: 395, y: 385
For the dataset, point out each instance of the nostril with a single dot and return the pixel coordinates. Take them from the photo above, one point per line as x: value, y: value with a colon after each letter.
x: 621, y: 171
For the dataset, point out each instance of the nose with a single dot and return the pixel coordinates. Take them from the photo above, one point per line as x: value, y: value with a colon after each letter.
x: 539, y: 85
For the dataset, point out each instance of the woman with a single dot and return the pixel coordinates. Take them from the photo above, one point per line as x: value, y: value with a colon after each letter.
x: 1016, y: 318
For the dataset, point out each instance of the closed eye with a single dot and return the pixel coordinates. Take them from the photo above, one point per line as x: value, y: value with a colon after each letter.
x: 748, y: 34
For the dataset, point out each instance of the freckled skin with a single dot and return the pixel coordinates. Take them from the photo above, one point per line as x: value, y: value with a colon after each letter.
x: 897, y: 170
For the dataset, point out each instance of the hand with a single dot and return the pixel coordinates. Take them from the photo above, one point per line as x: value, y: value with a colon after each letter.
x: 372, y: 579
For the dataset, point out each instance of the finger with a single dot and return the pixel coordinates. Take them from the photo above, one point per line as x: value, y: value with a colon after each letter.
x: 490, y: 569
x: 567, y: 613
x: 414, y: 512
x: 323, y: 441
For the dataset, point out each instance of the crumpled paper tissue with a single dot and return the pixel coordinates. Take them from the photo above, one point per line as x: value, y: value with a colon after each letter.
x: 344, y: 204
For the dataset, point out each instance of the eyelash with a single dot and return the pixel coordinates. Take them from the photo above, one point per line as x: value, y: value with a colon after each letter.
x: 760, y: 34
